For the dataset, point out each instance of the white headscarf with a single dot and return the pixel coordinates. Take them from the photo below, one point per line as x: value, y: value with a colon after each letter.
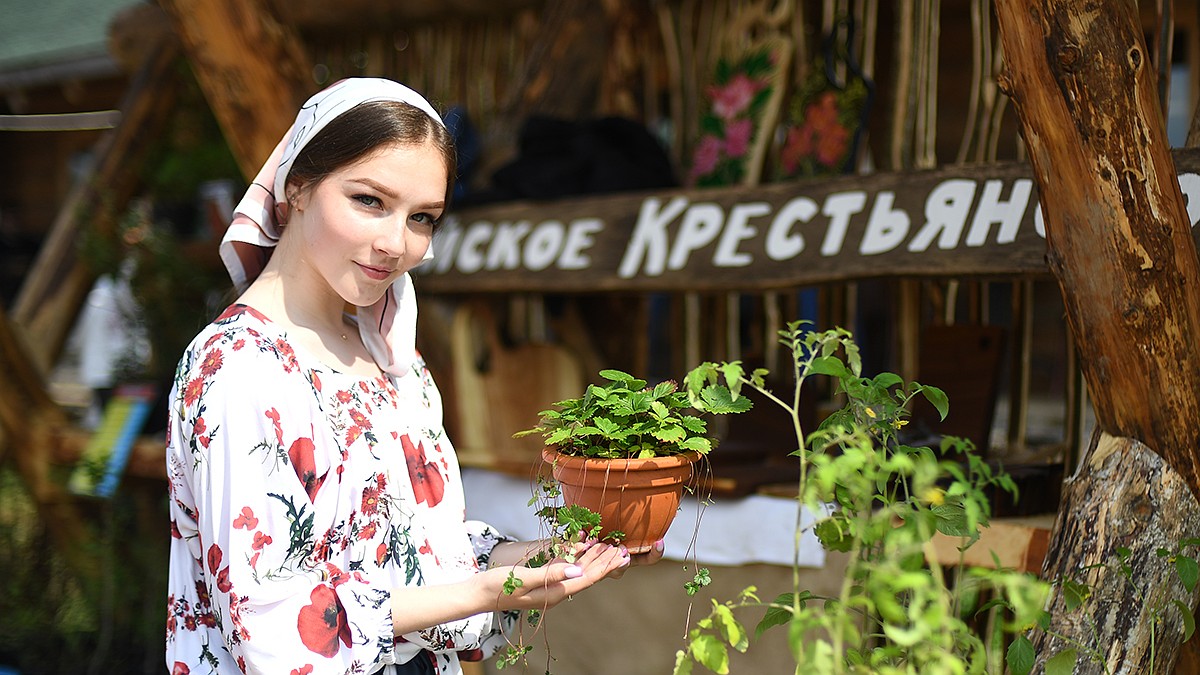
x: 388, y: 328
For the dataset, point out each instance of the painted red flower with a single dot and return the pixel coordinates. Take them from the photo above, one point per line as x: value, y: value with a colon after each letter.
x: 212, y: 363
x: 427, y: 482
x: 360, y: 419
x: 214, y: 558
x: 238, y: 344
x: 199, y: 427
x: 732, y: 99
x: 246, y: 520
x: 370, y: 501
x: 180, y: 668
x: 192, y: 391
x: 316, y: 380
x: 175, y: 531
x: 223, y: 583
x: 304, y: 462
x: 302, y: 670
x: 368, y: 531
x: 261, y: 540
x: 202, y: 597
x: 273, y: 415
x: 352, y: 434
x: 737, y: 137
x: 344, y: 396
x: 323, y: 622
x: 381, y: 554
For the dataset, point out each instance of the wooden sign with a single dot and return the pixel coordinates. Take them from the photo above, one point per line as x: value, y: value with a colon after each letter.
x: 961, y: 221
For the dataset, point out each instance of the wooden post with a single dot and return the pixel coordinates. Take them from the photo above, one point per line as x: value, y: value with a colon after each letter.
x: 253, y: 71
x: 1119, y: 243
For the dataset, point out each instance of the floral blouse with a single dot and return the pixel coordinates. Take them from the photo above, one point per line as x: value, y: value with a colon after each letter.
x: 299, y: 496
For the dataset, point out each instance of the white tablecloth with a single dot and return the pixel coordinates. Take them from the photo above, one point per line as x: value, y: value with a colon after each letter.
x: 754, y: 529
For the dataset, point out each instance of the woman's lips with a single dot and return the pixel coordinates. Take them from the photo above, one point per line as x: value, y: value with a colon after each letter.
x: 376, y: 273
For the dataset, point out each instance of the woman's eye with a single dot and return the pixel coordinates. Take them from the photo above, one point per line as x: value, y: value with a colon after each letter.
x: 425, y: 219
x: 368, y: 200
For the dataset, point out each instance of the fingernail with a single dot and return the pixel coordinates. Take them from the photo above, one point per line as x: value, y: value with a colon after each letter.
x: 624, y: 551
x: 659, y: 545
x: 573, y: 571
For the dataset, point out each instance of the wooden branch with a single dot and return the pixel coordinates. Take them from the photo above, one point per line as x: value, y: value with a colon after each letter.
x: 1117, y: 228
x: 50, y: 297
x: 253, y: 71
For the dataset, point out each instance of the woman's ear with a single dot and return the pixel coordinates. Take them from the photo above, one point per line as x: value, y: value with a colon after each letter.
x: 283, y: 209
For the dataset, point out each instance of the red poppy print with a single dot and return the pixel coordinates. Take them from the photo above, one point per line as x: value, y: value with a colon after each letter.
x: 273, y: 415
x: 344, y: 396
x: 368, y: 531
x: 180, y: 668
x: 304, y: 462
x: 223, y: 583
x: 370, y: 501
x: 212, y: 363
x: 245, y: 521
x: 261, y: 540
x: 214, y: 558
x: 381, y: 554
x: 316, y: 381
x: 306, y: 669
x: 427, y: 482
x: 322, y: 623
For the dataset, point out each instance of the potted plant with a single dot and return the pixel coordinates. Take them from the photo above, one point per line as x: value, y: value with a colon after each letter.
x: 625, y: 450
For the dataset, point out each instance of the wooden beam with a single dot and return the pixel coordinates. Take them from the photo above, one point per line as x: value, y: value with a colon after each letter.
x: 252, y: 69
x: 324, y: 16
x: 1120, y: 244
x: 50, y: 297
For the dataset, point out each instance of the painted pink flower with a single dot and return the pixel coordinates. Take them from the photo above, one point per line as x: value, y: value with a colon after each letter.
x: 737, y: 137
x: 708, y: 153
x: 734, y: 98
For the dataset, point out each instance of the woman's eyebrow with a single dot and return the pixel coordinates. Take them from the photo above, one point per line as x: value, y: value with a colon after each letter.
x: 375, y: 185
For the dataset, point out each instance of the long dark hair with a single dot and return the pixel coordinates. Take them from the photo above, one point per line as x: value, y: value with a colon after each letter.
x: 365, y: 128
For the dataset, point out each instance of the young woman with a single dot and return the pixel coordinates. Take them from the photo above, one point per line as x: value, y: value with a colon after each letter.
x: 317, y: 511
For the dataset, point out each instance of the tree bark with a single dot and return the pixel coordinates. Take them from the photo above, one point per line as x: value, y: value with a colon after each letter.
x: 1119, y: 244
x: 254, y: 71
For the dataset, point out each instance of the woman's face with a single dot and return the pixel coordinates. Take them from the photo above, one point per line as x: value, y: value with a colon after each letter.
x: 367, y: 223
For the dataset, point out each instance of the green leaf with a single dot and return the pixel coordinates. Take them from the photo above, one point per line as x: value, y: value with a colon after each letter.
x: 693, y: 424
x: 833, y: 537
x: 711, y: 653
x: 1020, y: 656
x: 828, y: 365
x: 696, y: 444
x: 938, y: 398
x: 1188, y: 571
x: 952, y: 520
x: 670, y: 434
x: 887, y: 380
x: 1075, y: 593
x: 1189, y: 620
x: 683, y: 664
x: 719, y: 400
x: 731, y: 628
x: 614, y: 375
x: 1062, y: 663
x: 776, y: 615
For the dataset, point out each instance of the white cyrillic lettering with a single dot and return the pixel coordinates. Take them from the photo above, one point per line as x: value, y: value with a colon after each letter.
x: 505, y: 250
x: 649, y: 240
x: 543, y: 245
x: 946, y: 211
x: 782, y: 243
x: 839, y: 207
x: 991, y: 210
x: 886, y: 228
x: 699, y: 228
x: 445, y: 241
x: 1189, y: 185
x: 579, y: 238
x: 1039, y: 221
x: 470, y: 256
x: 737, y: 230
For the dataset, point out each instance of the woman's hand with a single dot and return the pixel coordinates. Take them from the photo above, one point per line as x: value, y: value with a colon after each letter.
x: 546, y: 586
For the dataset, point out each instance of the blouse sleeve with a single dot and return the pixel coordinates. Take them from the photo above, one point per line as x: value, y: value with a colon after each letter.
x: 245, y: 466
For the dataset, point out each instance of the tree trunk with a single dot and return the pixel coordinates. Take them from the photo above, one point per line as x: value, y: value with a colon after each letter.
x: 1119, y: 244
x: 254, y: 72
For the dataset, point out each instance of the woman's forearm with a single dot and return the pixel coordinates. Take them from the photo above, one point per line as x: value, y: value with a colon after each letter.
x: 510, y: 553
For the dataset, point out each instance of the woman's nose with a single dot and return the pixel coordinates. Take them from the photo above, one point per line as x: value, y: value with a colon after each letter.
x: 392, y: 240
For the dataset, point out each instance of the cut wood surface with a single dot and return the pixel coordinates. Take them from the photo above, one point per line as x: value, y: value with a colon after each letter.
x: 1119, y: 242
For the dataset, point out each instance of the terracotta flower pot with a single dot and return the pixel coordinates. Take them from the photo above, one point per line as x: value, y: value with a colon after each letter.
x: 636, y: 496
